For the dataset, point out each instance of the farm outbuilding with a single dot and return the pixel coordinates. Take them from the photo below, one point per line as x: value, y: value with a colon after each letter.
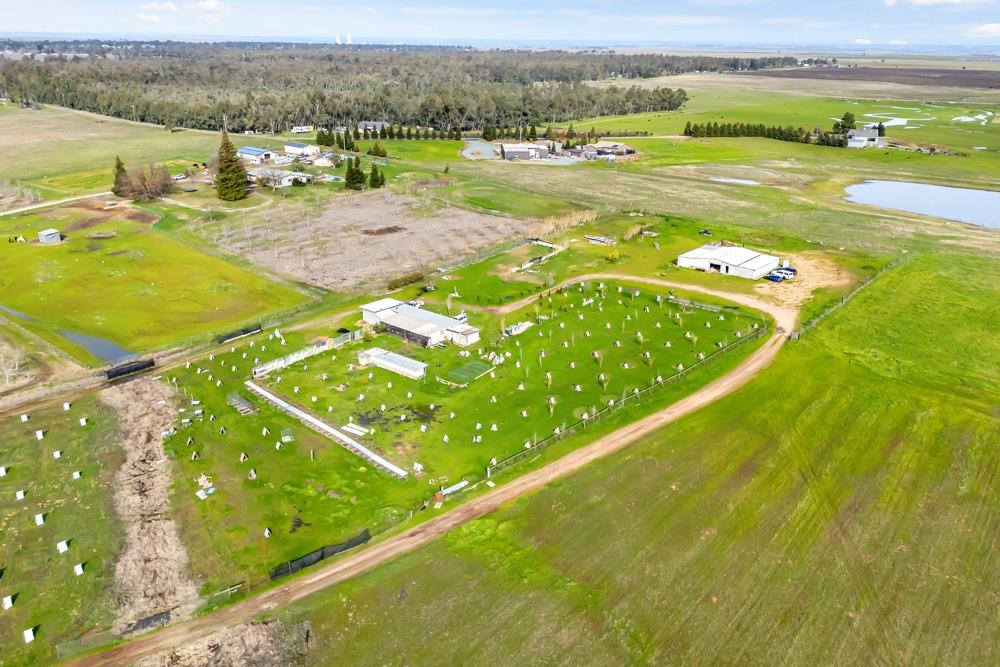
x: 729, y: 260
x: 390, y: 361
x: 417, y: 325
x: 49, y: 236
x: 298, y: 148
x: 523, y: 151
x: 254, y: 155
x: 865, y: 138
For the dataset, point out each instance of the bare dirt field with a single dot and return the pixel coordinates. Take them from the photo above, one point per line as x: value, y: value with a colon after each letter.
x: 247, y: 645
x: 151, y: 574
x: 914, y: 76
x: 815, y: 272
x: 364, y: 239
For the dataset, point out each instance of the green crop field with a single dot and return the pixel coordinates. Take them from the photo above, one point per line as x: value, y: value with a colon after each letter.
x: 117, y: 278
x: 48, y: 596
x: 847, y: 488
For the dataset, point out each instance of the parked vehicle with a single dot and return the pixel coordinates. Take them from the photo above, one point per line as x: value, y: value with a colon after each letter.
x: 789, y: 269
x: 774, y: 277
x: 788, y: 275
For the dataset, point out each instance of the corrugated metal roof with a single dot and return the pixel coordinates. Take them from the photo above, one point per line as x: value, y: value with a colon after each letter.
x: 732, y: 255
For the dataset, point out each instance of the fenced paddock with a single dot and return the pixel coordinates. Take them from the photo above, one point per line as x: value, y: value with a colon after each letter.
x: 537, y: 447
x: 469, y: 372
x: 323, y: 428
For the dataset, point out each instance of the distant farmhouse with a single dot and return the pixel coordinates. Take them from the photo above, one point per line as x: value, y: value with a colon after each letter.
x: 417, y: 325
x: 302, y: 129
x: 277, y: 178
x: 373, y: 126
x: 865, y: 138
x: 612, y: 148
x: 729, y: 260
x: 254, y: 155
x: 300, y: 149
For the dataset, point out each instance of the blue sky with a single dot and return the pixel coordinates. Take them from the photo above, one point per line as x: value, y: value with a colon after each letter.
x: 973, y: 23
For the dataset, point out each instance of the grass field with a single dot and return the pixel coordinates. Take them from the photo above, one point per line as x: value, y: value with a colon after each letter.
x: 844, y: 515
x: 310, y: 492
x: 154, y: 290
x: 932, y: 123
x: 48, y: 596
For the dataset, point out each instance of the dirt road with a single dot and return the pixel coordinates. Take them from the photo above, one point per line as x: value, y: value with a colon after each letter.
x: 367, y: 558
x: 54, y: 202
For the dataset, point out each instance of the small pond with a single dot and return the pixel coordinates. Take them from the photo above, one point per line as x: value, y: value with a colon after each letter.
x: 976, y: 207
x: 102, y: 348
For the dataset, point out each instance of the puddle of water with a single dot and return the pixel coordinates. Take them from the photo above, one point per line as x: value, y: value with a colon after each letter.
x: 102, y: 348
x: 16, y: 313
x: 734, y: 181
x: 976, y: 207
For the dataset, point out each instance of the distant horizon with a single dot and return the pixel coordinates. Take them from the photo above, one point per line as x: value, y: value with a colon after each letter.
x: 763, y: 47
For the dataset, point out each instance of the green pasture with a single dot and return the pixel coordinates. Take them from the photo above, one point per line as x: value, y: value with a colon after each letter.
x: 117, y: 277
x: 311, y: 492
x: 48, y: 595
x: 838, y: 509
x: 590, y: 346
x: 497, y: 199
x: 931, y: 123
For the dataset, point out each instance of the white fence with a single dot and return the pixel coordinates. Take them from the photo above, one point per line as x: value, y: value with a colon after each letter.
x: 304, y: 353
x: 346, y: 441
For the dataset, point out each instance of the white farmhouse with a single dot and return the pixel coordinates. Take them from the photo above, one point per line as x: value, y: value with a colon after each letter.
x: 729, y: 260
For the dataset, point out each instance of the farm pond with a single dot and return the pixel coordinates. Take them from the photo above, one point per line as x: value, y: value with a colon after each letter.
x: 976, y: 207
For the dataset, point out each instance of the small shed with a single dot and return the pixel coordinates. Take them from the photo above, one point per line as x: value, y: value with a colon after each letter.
x: 49, y: 236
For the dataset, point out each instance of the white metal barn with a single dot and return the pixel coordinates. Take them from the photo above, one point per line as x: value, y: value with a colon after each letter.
x: 390, y: 361
x: 299, y: 148
x: 423, y: 327
x: 729, y: 260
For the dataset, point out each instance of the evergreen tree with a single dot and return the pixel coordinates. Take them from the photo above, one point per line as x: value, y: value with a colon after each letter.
x: 571, y: 133
x: 687, y: 129
x: 375, y: 178
x: 122, y: 185
x: 550, y: 134
x: 391, y: 133
x: 383, y: 133
x: 532, y: 133
x: 409, y: 133
x: 231, y: 181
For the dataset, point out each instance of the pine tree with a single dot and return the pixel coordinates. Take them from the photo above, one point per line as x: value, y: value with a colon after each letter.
x: 532, y: 133
x: 391, y: 133
x: 409, y: 133
x: 122, y: 185
x: 687, y: 129
x: 375, y: 178
x: 231, y: 181
x: 571, y: 133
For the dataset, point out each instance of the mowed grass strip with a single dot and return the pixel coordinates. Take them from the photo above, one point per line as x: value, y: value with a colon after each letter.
x: 835, y: 510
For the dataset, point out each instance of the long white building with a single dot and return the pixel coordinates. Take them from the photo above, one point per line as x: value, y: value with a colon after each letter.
x: 417, y: 325
x: 729, y: 260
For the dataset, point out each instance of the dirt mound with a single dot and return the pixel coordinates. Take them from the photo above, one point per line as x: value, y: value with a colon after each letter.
x: 263, y: 644
x: 86, y: 223
x: 380, y: 231
x: 151, y: 574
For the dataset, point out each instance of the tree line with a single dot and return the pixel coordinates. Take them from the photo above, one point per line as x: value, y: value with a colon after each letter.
x: 264, y: 87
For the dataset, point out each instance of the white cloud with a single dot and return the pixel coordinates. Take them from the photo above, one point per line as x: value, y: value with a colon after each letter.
x: 937, y: 3
x: 371, y: 11
x: 148, y: 18
x: 159, y: 6
x: 985, y: 30
x: 210, y: 5
x: 862, y: 40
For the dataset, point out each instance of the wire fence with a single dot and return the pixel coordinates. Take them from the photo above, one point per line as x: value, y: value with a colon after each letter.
x: 536, y: 448
x: 844, y: 300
